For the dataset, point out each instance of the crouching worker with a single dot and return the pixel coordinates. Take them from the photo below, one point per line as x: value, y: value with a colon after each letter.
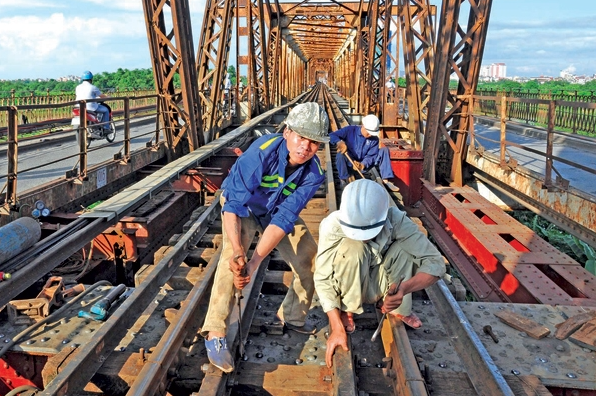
x: 266, y: 189
x: 365, y: 249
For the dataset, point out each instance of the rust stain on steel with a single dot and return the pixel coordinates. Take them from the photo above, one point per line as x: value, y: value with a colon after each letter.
x: 573, y: 204
x: 512, y: 255
x: 59, y: 193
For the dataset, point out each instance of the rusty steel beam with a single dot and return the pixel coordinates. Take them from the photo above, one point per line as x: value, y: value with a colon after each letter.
x: 212, y: 63
x: 459, y: 51
x: 172, y: 53
x: 418, y: 42
x: 12, y: 155
x: 274, y: 54
x: 258, y: 70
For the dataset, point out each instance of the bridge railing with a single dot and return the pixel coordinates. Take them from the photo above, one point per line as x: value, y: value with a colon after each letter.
x: 57, y: 114
x: 133, y: 108
x: 574, y: 114
x: 548, y: 111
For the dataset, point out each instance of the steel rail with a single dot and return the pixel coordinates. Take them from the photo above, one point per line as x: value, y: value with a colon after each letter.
x: 122, y: 203
x: 480, y: 367
x: 152, y: 374
x: 112, y: 210
x: 51, y: 258
x: 214, y: 382
x: 77, y: 373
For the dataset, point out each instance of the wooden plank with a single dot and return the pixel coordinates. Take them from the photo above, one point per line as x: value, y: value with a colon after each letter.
x: 526, y: 385
x: 447, y: 383
x: 585, y: 337
x: 278, y: 379
x: 521, y: 323
x: 564, y: 329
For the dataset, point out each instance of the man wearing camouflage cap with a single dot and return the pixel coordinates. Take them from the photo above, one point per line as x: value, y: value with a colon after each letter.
x: 266, y: 189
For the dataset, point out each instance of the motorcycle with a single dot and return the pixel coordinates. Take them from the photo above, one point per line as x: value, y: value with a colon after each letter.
x: 97, y: 129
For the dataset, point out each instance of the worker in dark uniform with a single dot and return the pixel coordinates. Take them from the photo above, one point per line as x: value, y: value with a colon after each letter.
x: 361, y: 143
x: 266, y: 189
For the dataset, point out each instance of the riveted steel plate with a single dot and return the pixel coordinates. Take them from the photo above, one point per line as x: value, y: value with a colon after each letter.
x: 65, y: 329
x: 558, y: 363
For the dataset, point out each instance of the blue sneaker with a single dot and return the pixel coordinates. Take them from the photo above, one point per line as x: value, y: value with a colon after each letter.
x: 219, y: 355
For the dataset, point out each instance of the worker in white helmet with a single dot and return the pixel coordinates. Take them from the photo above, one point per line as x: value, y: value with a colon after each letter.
x: 365, y: 249
x: 361, y: 144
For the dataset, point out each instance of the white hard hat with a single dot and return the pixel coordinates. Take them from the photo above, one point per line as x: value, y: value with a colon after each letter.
x: 363, y: 209
x: 309, y: 120
x: 371, y: 124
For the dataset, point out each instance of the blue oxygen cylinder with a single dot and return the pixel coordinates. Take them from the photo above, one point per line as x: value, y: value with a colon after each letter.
x: 17, y: 236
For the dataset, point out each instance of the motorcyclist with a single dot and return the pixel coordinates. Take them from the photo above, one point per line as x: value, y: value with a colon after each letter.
x: 86, y: 90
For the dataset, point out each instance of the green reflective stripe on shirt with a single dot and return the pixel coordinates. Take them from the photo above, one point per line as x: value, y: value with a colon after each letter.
x: 290, y: 188
x: 319, y: 166
x: 270, y: 181
x: 270, y: 178
x: 268, y: 143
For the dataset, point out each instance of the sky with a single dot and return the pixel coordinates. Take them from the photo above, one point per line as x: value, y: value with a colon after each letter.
x: 55, y: 38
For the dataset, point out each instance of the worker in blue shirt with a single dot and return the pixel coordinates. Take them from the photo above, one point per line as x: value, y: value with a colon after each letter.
x: 266, y: 190
x: 361, y: 143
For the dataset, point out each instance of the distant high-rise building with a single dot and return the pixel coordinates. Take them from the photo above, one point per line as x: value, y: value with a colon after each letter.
x: 494, y: 71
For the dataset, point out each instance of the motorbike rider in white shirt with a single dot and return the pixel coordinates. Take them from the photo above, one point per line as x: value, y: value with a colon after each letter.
x: 86, y: 90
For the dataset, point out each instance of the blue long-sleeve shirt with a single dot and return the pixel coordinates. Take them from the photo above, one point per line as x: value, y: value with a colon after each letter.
x: 257, y: 183
x: 361, y: 149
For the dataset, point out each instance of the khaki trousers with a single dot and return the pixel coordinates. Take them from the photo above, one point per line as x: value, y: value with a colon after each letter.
x: 360, y: 283
x: 298, y: 249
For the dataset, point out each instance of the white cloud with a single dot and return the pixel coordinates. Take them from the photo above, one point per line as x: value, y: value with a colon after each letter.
x: 129, y: 5
x: 57, y: 44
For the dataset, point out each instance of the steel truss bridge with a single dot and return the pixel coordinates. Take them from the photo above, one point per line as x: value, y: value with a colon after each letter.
x: 157, y: 230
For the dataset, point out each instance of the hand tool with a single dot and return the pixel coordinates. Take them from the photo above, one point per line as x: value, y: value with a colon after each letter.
x: 353, y: 167
x: 99, y: 310
x: 239, y: 297
x: 378, y: 330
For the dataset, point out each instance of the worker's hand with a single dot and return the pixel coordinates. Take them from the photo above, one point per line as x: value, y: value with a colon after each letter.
x: 338, y: 337
x: 358, y: 165
x: 393, y: 298
x: 238, y: 269
x: 342, y: 148
x: 238, y: 264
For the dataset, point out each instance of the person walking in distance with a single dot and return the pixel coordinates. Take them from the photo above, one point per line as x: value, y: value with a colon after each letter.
x: 370, y: 253
x: 361, y: 144
x: 266, y: 189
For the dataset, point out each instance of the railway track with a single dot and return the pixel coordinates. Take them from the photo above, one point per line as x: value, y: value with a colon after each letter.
x: 148, y: 343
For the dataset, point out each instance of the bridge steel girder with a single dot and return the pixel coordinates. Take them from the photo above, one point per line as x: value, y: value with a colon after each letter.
x: 212, y: 63
x: 257, y: 57
x: 463, y: 58
x: 172, y: 52
x: 273, y: 61
x: 377, y: 53
x: 418, y: 41
x: 389, y: 98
